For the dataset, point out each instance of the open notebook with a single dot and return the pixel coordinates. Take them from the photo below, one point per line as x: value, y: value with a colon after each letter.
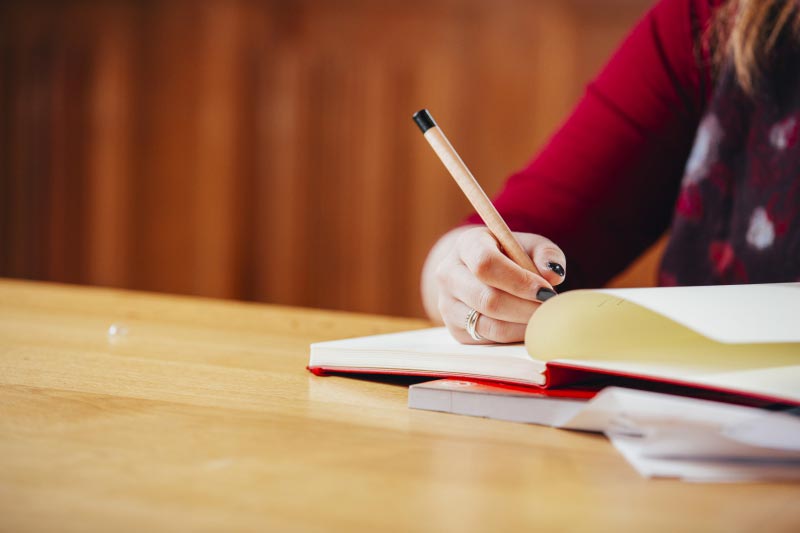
x: 743, y: 339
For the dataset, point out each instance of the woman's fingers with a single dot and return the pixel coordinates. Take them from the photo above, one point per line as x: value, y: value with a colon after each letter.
x: 483, y: 258
x: 454, y: 314
x: 547, y: 257
x: 487, y: 300
x: 475, y: 275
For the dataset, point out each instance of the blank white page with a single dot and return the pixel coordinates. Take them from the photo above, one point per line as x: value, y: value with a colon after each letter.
x: 740, y: 314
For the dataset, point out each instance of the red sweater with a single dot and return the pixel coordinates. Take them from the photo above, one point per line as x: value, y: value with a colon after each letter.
x: 605, y: 185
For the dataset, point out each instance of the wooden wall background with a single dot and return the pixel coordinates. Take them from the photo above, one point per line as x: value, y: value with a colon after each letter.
x: 264, y: 150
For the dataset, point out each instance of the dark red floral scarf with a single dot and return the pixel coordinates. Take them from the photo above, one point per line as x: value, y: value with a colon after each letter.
x: 737, y: 218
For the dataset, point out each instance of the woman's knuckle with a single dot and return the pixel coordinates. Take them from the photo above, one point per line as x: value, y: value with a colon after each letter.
x: 489, y: 300
x: 551, y: 250
x: 484, y: 264
x: 496, y: 330
x: 524, y: 282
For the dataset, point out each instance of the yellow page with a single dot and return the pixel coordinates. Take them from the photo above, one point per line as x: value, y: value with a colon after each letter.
x: 601, y: 326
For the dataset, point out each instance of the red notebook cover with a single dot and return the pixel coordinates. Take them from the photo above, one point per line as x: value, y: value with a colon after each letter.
x: 570, y: 377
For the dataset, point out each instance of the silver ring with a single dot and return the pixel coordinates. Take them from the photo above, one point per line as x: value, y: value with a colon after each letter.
x: 471, y: 322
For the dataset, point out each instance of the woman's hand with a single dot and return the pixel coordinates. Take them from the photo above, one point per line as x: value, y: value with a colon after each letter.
x: 467, y: 270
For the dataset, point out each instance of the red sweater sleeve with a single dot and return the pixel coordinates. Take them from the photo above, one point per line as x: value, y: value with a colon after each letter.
x: 604, y: 186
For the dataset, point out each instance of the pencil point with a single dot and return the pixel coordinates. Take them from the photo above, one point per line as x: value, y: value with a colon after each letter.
x: 424, y: 120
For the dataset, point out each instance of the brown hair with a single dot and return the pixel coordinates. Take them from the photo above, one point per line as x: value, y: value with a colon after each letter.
x: 744, y: 33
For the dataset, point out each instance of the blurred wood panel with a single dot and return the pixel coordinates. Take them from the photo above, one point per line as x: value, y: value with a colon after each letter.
x: 264, y: 150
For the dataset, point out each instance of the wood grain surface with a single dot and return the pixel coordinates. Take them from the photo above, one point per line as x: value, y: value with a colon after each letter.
x: 264, y: 150
x: 198, y: 415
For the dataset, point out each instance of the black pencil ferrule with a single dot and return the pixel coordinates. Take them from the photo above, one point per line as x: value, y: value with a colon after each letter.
x: 424, y: 120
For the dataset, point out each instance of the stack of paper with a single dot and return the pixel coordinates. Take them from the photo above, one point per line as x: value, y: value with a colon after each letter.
x: 695, y: 440
x: 661, y: 435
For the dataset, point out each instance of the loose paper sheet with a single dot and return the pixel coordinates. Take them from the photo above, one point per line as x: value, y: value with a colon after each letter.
x: 695, y: 440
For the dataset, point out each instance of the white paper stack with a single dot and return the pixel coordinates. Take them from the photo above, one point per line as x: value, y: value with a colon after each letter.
x: 660, y: 435
x: 695, y: 440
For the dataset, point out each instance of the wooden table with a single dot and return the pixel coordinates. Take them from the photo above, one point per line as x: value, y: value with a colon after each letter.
x: 194, y: 414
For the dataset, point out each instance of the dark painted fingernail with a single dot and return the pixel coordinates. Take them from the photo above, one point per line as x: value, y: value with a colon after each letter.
x: 555, y: 267
x: 544, y: 294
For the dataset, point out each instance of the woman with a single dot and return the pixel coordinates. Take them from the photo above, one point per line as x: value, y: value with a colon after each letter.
x: 695, y: 121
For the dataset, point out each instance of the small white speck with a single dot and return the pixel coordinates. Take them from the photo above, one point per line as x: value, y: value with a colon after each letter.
x: 116, y: 332
x: 761, y: 233
x: 781, y: 133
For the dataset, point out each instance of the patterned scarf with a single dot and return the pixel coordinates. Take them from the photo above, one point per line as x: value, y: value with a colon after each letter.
x: 737, y: 218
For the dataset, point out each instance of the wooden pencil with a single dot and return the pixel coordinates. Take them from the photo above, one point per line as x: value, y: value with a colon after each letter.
x: 473, y: 190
